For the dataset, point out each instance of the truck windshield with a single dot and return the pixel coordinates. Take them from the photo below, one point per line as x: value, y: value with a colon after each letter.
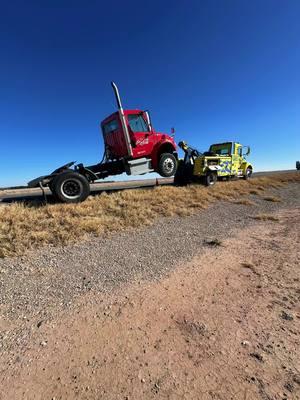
x: 137, y: 123
x: 221, y: 149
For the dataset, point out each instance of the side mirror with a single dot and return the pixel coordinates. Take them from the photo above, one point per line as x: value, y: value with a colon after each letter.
x: 172, y: 132
x: 247, y: 150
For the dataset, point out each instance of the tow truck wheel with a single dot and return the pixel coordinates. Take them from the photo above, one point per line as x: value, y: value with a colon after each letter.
x: 167, y: 165
x: 248, y: 173
x: 210, y: 178
x: 70, y: 187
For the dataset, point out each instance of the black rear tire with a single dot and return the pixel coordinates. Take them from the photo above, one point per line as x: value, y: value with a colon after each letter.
x: 210, y: 178
x: 248, y: 173
x: 70, y: 187
x: 167, y: 165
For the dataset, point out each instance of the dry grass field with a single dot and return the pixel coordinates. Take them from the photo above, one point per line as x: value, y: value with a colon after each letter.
x: 24, y: 227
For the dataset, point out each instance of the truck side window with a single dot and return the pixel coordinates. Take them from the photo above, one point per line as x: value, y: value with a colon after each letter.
x: 240, y: 151
x: 137, y: 123
x: 111, y: 126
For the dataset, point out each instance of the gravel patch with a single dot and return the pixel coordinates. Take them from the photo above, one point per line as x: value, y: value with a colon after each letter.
x: 36, y: 286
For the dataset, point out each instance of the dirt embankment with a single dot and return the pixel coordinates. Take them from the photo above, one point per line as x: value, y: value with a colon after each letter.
x: 225, y: 325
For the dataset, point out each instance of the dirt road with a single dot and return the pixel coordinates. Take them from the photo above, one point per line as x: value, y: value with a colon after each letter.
x: 225, y: 325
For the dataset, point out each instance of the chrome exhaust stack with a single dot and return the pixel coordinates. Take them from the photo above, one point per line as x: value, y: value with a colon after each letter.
x: 122, y: 118
x: 117, y: 95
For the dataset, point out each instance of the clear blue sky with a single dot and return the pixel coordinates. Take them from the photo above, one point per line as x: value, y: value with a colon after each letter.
x: 216, y: 70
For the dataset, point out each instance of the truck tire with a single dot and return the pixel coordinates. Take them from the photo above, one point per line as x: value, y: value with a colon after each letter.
x: 210, y: 178
x: 167, y: 165
x: 248, y: 173
x: 70, y: 187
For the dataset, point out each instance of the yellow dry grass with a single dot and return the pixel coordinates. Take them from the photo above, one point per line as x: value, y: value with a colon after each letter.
x: 273, y: 199
x: 266, y: 217
x: 245, y: 202
x: 254, y: 191
x: 24, y: 227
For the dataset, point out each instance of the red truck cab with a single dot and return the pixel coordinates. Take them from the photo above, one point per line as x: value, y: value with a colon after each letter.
x: 129, y: 135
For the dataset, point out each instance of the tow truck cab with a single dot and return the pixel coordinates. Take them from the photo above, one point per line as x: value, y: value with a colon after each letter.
x: 226, y: 159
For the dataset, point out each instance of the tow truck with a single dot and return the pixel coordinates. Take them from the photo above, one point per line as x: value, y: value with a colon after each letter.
x: 222, y: 161
x: 131, y: 146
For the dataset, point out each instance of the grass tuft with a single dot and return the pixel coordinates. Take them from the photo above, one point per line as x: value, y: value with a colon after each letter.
x: 272, y: 199
x: 254, y: 191
x: 245, y: 202
x: 266, y: 217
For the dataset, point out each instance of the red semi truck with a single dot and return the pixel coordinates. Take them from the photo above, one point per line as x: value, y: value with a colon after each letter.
x: 131, y: 146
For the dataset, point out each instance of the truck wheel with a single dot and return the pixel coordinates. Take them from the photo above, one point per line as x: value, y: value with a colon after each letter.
x: 210, y: 178
x: 70, y: 187
x: 167, y: 165
x: 248, y: 173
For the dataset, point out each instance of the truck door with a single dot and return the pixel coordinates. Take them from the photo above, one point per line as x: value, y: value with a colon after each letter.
x: 114, y: 139
x: 140, y: 134
x: 238, y: 158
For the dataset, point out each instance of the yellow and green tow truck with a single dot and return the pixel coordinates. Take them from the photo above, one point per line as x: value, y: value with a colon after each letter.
x: 222, y: 161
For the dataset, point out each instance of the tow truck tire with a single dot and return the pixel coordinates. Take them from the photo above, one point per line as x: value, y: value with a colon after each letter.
x: 70, y: 187
x: 167, y: 165
x: 248, y: 173
x: 210, y: 178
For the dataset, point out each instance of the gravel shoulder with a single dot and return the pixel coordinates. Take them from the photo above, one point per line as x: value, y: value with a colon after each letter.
x: 37, y: 289
x: 221, y: 321
x: 44, y: 281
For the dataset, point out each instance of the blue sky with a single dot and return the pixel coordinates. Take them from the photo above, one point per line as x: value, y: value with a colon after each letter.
x: 216, y: 70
